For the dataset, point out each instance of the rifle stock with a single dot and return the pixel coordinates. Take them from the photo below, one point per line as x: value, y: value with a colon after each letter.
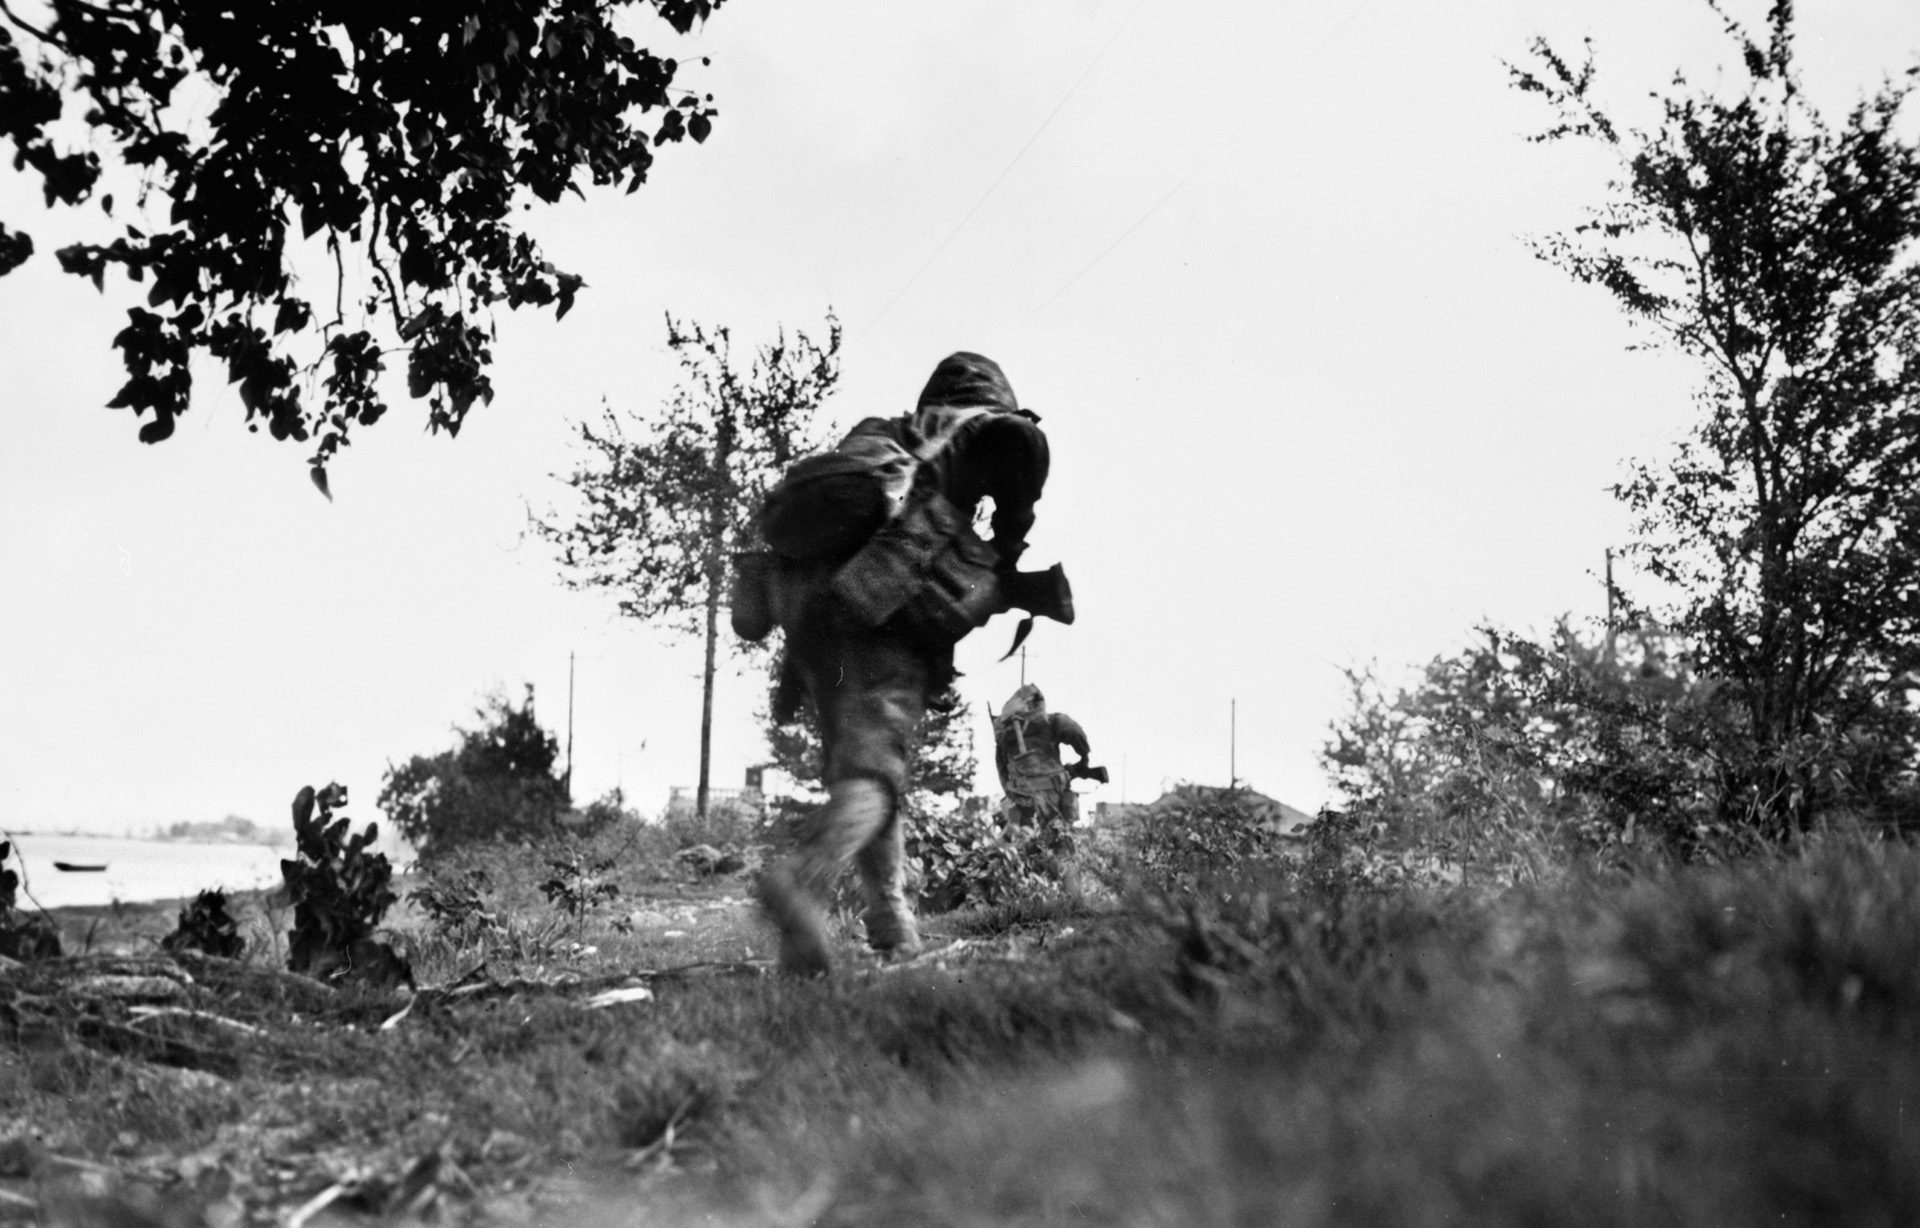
x: 1087, y: 771
x: 1045, y: 593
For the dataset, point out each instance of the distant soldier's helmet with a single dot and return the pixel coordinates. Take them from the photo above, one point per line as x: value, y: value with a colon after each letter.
x: 1027, y: 701
x: 969, y: 379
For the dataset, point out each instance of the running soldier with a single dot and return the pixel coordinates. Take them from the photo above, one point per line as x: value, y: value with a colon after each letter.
x: 1038, y: 785
x: 875, y: 574
x: 1026, y: 751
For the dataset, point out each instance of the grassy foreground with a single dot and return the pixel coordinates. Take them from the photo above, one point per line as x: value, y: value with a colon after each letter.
x: 1700, y: 1046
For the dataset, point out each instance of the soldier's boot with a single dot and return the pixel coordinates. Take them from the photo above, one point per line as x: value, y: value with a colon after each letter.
x: 889, y: 921
x: 798, y: 919
x: 794, y: 893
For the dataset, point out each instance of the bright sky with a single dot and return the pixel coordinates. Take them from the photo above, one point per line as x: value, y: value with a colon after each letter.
x: 1261, y: 267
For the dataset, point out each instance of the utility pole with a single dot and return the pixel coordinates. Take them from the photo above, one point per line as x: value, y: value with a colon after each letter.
x: 569, y: 783
x: 1023, y: 665
x: 1609, y: 640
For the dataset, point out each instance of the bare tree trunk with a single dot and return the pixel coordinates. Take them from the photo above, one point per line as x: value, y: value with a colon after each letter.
x: 723, y: 494
x: 706, y: 693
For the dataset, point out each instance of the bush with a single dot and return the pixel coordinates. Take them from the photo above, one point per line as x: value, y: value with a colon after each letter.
x: 1511, y: 755
x: 1515, y: 754
x: 498, y: 784
x: 340, y: 892
x: 206, y: 925
x: 1197, y: 834
x: 962, y: 856
x: 457, y: 906
x: 602, y: 814
x: 22, y: 937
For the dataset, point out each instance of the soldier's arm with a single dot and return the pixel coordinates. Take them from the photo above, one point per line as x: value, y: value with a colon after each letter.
x: 1015, y: 460
x: 1005, y: 459
x: 1068, y: 732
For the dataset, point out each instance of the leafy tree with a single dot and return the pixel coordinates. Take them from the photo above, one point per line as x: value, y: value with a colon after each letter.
x: 1511, y: 747
x: 663, y: 501
x: 1777, y: 246
x: 499, y: 783
x: 406, y: 135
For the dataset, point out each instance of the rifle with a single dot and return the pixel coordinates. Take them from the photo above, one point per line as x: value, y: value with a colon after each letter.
x: 1044, y: 593
x: 1086, y: 771
x: 1038, y: 593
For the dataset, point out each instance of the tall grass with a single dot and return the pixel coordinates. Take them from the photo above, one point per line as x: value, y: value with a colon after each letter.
x: 1696, y: 1046
x: 1688, y: 1045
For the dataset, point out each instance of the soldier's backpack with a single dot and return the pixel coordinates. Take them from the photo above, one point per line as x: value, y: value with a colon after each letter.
x: 827, y: 506
x: 890, y: 548
x: 822, y: 511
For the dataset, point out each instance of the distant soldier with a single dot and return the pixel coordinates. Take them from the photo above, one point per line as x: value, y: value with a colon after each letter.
x: 1026, y: 750
x: 875, y: 573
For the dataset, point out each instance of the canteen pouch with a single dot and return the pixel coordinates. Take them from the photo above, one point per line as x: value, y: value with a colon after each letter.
x: 927, y: 563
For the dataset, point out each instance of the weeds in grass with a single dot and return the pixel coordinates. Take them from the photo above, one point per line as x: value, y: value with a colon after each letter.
x: 578, y: 886
x: 1685, y: 1045
x: 457, y: 907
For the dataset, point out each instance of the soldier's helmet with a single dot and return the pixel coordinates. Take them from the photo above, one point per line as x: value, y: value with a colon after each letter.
x: 1027, y: 701
x: 969, y: 379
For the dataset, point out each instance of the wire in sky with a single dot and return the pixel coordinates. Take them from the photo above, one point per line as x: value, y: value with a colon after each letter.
x: 1137, y: 223
x: 1008, y: 169
x: 1319, y: 47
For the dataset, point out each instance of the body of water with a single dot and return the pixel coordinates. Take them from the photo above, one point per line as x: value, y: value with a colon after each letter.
x: 139, y: 869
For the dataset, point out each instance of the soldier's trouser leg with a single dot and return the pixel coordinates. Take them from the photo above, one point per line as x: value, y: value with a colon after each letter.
x: 795, y: 892
x: 890, y: 926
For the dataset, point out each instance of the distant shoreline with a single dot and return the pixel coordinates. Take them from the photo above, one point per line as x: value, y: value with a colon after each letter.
x: 13, y: 832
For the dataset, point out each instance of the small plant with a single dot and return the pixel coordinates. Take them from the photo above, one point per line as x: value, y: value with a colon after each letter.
x: 458, y: 907
x: 578, y: 887
x: 205, y: 925
x: 340, y: 891
x: 21, y: 936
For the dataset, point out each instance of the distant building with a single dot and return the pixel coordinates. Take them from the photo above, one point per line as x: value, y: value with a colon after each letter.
x: 683, y: 800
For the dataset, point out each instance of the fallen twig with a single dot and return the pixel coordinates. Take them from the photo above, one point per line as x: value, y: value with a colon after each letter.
x: 315, y: 1205
x: 140, y: 1013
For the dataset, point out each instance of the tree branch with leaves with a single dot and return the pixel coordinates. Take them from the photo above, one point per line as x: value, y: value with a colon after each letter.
x: 410, y: 134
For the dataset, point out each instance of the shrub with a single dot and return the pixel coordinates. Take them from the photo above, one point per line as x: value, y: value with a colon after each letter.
x: 21, y: 936
x: 457, y: 906
x: 206, y: 925
x: 962, y: 856
x: 498, y: 784
x: 340, y: 891
x: 603, y: 813
x: 1197, y: 834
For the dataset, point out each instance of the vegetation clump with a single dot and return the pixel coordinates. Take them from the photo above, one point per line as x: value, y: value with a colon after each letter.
x: 206, y: 925
x: 499, y: 783
x: 22, y: 936
x: 340, y: 891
